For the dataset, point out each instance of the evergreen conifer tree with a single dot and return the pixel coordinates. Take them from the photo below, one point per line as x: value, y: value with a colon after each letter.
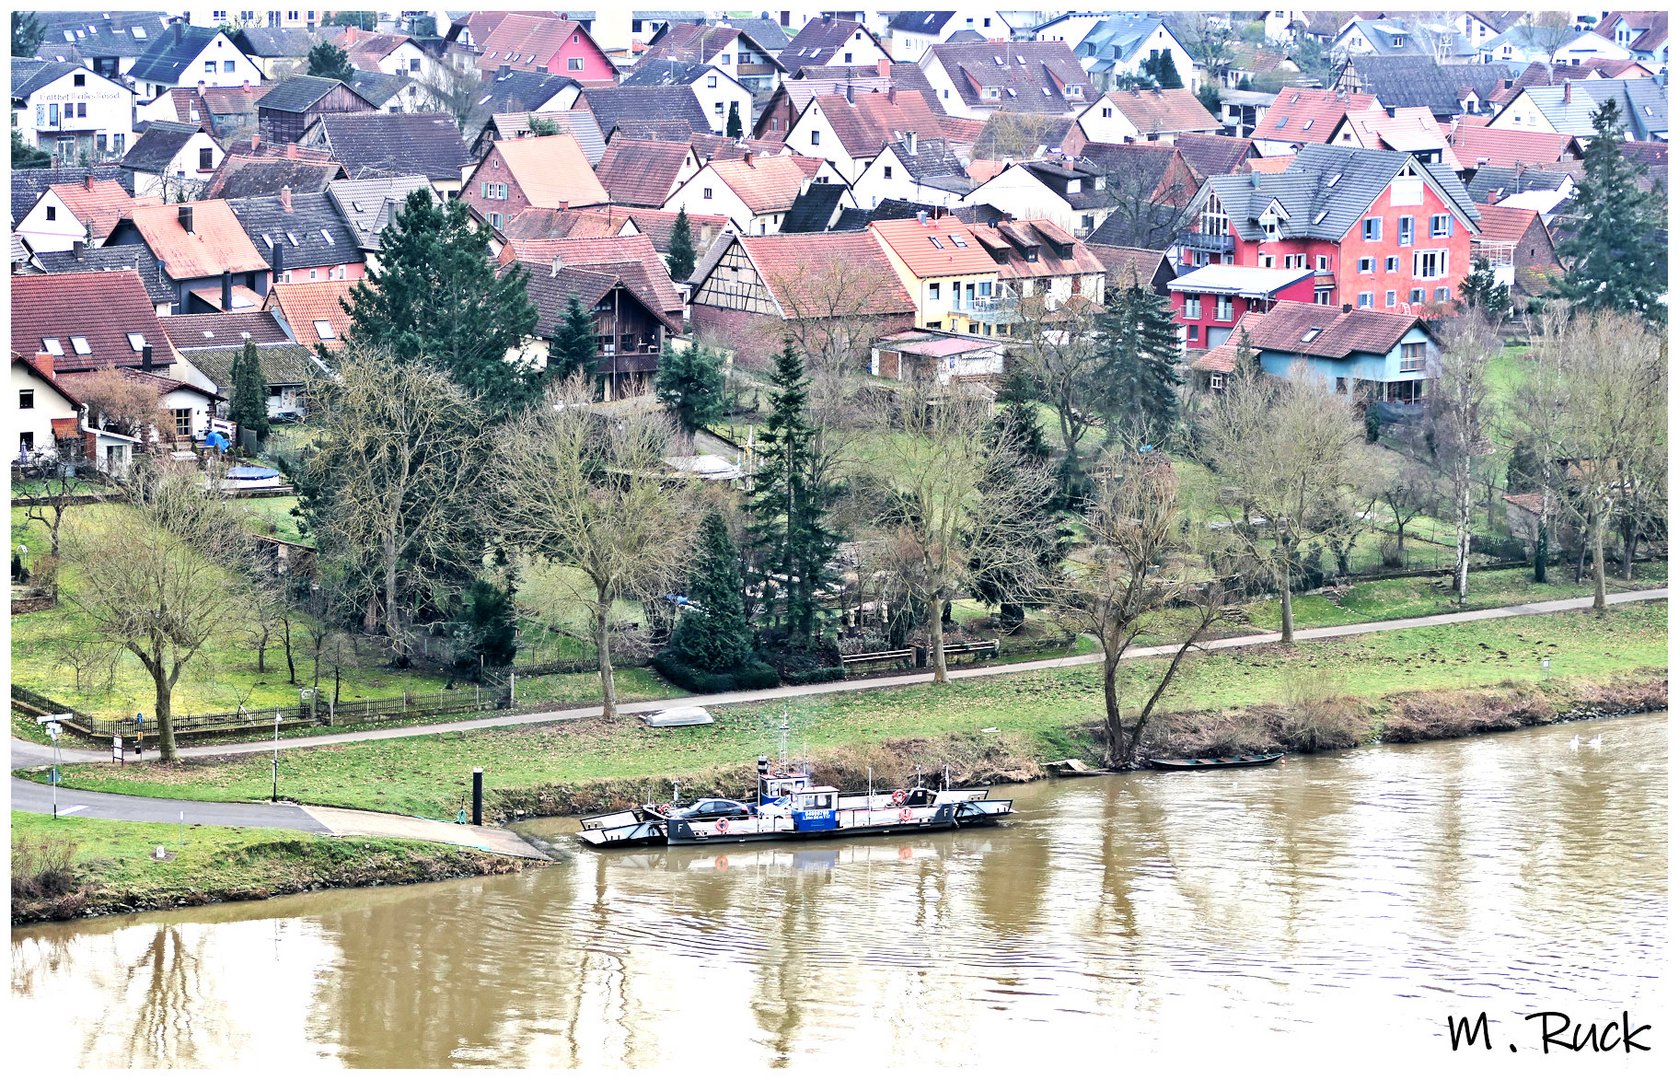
x: 733, y: 128
x: 249, y: 406
x: 1481, y: 292
x: 790, y: 540
x: 1138, y: 345
x: 328, y: 61
x: 437, y: 297
x: 680, y: 260
x: 712, y: 633
x: 573, y: 347
x: 690, y: 384
x: 1166, y: 72
x: 1616, y: 258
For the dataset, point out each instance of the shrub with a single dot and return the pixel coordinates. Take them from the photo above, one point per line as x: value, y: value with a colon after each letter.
x: 815, y: 675
x: 1448, y: 714
x: 752, y: 675
x: 1316, y: 716
x: 43, y: 868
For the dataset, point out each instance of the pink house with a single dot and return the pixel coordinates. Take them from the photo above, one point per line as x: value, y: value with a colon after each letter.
x: 1208, y: 302
x: 556, y: 46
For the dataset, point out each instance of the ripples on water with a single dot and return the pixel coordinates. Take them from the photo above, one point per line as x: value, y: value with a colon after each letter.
x: 1374, y: 890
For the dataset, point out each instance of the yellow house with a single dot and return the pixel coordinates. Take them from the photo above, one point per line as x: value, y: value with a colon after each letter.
x: 948, y: 272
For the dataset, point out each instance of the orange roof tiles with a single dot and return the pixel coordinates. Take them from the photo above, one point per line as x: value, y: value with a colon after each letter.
x: 1501, y: 224
x: 642, y: 172
x: 1277, y: 164
x: 940, y: 248
x: 304, y: 303
x: 217, y: 241
x: 524, y: 42
x: 1308, y: 116
x: 98, y: 204
x: 767, y: 185
x: 550, y: 169
x: 796, y: 270
x: 1477, y: 146
x: 1167, y: 111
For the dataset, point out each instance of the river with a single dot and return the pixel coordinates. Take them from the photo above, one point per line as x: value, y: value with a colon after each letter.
x: 1369, y: 892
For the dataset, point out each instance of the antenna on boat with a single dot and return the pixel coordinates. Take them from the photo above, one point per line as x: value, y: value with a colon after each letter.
x: 784, y: 738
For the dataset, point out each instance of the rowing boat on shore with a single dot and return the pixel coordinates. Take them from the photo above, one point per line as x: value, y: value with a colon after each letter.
x: 1230, y: 762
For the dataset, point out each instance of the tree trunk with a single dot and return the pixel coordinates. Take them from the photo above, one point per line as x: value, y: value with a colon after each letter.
x: 1118, y: 752
x: 1400, y: 547
x: 291, y: 664
x: 262, y: 651
x: 1465, y: 509
x: 935, y: 637
x: 162, y: 700
x: 1286, y: 582
x: 603, y: 646
x: 1600, y: 603
x: 393, y: 623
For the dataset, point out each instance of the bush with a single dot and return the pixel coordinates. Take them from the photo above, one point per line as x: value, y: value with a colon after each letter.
x: 1316, y: 716
x: 752, y: 675
x: 1499, y: 548
x: 43, y: 868
x: 1448, y: 714
x: 815, y: 675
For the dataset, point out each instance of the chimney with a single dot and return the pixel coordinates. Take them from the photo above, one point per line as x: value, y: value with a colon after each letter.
x: 227, y: 292
x: 850, y: 93
x: 184, y: 216
x: 177, y: 31
x: 747, y: 158
x: 43, y: 361
x: 911, y: 139
x: 291, y: 150
x: 503, y: 71
x: 76, y: 249
x: 565, y: 204
x: 1492, y: 197
x: 1345, y: 308
x: 827, y: 17
x: 884, y: 66
x: 145, y: 358
x: 279, y: 252
x: 256, y: 141
x: 891, y: 95
x: 921, y: 217
x: 87, y: 181
x: 559, y: 264
x: 349, y: 35
x: 1567, y: 92
x: 285, y: 197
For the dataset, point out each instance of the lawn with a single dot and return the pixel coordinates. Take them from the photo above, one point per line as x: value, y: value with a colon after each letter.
x: 428, y: 775
x: 273, y: 517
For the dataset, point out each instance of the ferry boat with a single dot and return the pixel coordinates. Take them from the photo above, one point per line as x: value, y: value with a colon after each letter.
x: 790, y: 807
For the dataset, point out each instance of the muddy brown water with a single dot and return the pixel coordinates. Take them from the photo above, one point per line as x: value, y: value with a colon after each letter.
x: 1369, y: 892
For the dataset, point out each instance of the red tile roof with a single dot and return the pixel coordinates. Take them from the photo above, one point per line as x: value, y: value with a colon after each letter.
x: 767, y: 185
x: 796, y: 268
x: 217, y: 241
x: 1477, y: 146
x: 940, y: 248
x: 525, y: 42
x: 98, y: 204
x: 1341, y: 333
x: 549, y: 169
x: 538, y: 223
x: 103, y: 307
x: 1163, y: 111
x: 869, y: 123
x: 1504, y: 224
x: 302, y: 303
x: 1300, y: 115
x: 630, y: 257
x: 642, y: 172
x: 1009, y: 237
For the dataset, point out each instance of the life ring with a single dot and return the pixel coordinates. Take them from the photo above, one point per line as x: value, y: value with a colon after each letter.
x: 663, y: 809
x: 722, y: 826
x: 721, y: 862
x: 904, y: 815
x: 899, y: 797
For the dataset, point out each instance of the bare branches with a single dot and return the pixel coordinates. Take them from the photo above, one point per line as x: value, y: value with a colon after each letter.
x: 1459, y: 417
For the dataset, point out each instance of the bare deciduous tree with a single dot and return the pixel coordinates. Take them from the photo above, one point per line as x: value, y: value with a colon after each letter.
x: 1406, y: 488
x: 953, y: 498
x: 1128, y: 577
x: 115, y: 402
x: 1458, y: 419
x: 593, y: 492
x: 173, y: 582
x: 831, y: 310
x: 1289, y: 449
x: 1057, y: 350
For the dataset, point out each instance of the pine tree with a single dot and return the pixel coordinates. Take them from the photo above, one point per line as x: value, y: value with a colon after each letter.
x: 328, y: 61
x: 690, y: 384
x: 573, y: 347
x: 249, y: 405
x: 1166, y: 72
x: 680, y: 261
x: 27, y: 33
x: 1209, y: 97
x: 712, y: 633
x: 733, y: 128
x: 1481, y: 292
x: 1138, y: 345
x: 790, y: 540
x: 437, y: 297
x: 1617, y: 257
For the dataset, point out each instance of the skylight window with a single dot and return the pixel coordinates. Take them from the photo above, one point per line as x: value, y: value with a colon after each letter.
x: 293, y: 238
x: 957, y: 240
x: 326, y: 236
x: 209, y: 334
x: 1332, y: 181
x: 1318, y: 217
x: 1282, y: 122
x: 81, y: 346
x: 1311, y: 334
x: 1012, y: 93
x: 1307, y: 126
x: 1000, y: 60
x: 53, y: 346
x: 324, y: 330
x: 140, y: 32
x: 136, y: 342
x: 935, y: 242
x: 68, y: 36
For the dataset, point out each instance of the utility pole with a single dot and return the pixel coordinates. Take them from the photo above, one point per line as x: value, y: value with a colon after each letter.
x: 276, y: 796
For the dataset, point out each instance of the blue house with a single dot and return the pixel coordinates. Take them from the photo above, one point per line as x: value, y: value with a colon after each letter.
x: 1375, y: 356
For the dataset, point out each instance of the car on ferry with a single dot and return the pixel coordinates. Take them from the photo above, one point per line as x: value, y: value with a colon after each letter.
x: 712, y: 810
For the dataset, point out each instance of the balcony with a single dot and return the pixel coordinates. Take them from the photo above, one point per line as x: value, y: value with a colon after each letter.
x: 1210, y: 242
x: 998, y: 307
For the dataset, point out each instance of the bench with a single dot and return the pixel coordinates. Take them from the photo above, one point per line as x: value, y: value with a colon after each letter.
x: 956, y: 649
x: 895, y: 657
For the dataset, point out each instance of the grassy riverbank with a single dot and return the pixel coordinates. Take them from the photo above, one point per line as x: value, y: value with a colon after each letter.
x: 75, y: 867
x: 1036, y: 716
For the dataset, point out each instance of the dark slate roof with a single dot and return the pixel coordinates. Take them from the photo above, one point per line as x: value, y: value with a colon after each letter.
x: 314, y: 233
x: 289, y: 364
x: 682, y: 73
x: 245, y: 177
x: 395, y: 144
x: 122, y: 257
x: 819, y: 40
x: 29, y: 76
x: 298, y: 93
x: 171, y: 52
x: 1324, y: 191
x: 1512, y: 180
x: 1213, y: 155
x: 768, y: 33
x: 918, y: 22
x: 1027, y: 70
x: 367, y: 206
x: 813, y: 209
x: 157, y: 147
x: 377, y: 86
x: 932, y: 161
x: 102, y: 33
x: 29, y: 184
x: 265, y: 42
x: 613, y: 106
x: 1411, y: 82
x: 1485, y: 79
x: 519, y: 91
x: 1057, y: 178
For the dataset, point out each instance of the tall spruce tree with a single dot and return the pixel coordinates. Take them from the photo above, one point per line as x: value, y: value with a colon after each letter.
x: 680, y: 260
x: 1138, y: 345
x: 573, y: 348
x: 1617, y: 257
x: 733, y: 129
x: 690, y: 384
x: 249, y: 406
x: 791, y: 542
x: 1481, y: 292
x: 712, y: 633
x: 328, y: 61
x: 437, y: 297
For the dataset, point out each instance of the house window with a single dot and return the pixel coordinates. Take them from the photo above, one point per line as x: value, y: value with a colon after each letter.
x: 1416, y: 296
x: 1429, y: 264
x: 574, y: 63
x: 81, y: 346
x: 136, y: 341
x: 711, y: 82
x: 80, y: 80
x: 1107, y: 113
x: 933, y: 291
x: 1411, y: 356
x: 414, y: 65
x: 1393, y: 298
x: 1087, y: 221
x: 717, y: 107
x: 228, y: 66
x: 816, y: 138
x: 705, y: 193
x: 495, y: 221
x: 848, y: 58
x: 1372, y: 228
x: 1405, y: 224
x: 1194, y: 333
x: 209, y: 67
x: 1226, y: 310
x: 1393, y: 264
x: 1215, y: 381
x: 1323, y: 262
x: 1214, y: 222
x: 1267, y: 261
x: 204, y: 164
x: 886, y: 170
x: 1440, y: 225
x: 52, y: 213
x: 1367, y: 266
x: 1323, y: 295
x: 26, y: 440
x: 1192, y: 307
x: 53, y: 346
x: 183, y: 423
x: 1441, y: 295
x: 26, y: 399
x: 1366, y: 299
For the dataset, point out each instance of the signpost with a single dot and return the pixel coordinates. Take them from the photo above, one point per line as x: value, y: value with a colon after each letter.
x: 276, y: 796
x: 53, y: 723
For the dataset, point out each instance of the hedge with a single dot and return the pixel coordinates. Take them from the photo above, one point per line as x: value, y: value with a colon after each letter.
x: 752, y: 675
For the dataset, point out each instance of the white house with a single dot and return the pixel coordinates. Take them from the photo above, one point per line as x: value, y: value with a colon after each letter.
x: 915, y: 170
x: 716, y: 90
x: 172, y: 161
x: 70, y: 110
x: 184, y: 56
x: 71, y: 213
x: 1074, y: 198
x: 754, y: 192
x: 828, y: 41
x: 41, y: 411
x: 1122, y: 116
x: 910, y: 33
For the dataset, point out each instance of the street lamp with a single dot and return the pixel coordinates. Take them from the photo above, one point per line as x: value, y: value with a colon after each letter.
x: 54, y: 729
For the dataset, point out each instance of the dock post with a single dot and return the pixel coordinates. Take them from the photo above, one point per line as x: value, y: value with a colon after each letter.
x: 478, y: 796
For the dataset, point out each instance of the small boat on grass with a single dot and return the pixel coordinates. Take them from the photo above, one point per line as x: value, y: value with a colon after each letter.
x: 1232, y: 761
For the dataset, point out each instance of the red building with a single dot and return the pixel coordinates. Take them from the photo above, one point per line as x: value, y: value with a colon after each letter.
x: 1377, y: 228
x: 1208, y: 302
x: 525, y: 42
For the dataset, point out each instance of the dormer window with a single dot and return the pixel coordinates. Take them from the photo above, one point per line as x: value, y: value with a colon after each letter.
x: 1074, y: 186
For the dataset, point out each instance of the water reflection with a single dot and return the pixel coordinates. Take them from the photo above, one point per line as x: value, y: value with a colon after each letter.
x: 1371, y: 890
